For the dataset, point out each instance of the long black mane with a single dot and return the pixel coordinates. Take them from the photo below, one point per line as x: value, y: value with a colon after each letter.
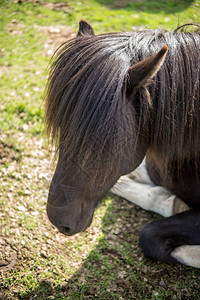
x: 87, y: 111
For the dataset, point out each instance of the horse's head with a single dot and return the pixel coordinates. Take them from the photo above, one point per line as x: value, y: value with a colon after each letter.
x: 98, y: 104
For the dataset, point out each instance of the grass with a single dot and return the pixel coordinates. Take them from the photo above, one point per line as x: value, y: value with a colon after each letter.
x: 105, y: 262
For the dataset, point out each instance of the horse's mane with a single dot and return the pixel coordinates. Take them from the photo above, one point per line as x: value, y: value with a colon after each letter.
x: 86, y: 103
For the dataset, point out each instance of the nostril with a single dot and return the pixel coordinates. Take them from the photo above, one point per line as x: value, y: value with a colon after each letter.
x: 65, y: 230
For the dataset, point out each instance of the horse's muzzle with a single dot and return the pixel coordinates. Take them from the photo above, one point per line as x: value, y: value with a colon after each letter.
x: 69, y: 221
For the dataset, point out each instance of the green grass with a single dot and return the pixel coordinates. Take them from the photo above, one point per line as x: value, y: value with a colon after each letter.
x: 22, y: 44
x: 105, y: 262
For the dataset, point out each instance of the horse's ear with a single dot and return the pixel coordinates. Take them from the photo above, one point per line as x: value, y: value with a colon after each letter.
x: 140, y: 73
x: 85, y: 29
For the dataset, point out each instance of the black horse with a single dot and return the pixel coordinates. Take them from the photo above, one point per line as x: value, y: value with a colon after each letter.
x: 112, y: 100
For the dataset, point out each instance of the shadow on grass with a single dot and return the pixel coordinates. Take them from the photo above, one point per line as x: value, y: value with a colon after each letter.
x: 149, y: 6
x: 116, y: 268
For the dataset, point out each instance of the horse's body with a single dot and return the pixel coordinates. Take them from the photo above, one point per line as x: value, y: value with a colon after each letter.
x: 112, y: 100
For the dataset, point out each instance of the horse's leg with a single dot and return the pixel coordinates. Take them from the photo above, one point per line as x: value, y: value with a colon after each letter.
x: 174, y: 239
x: 138, y: 188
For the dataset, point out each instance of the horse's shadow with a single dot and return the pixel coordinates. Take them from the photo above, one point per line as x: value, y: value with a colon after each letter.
x: 150, y: 6
x: 116, y: 268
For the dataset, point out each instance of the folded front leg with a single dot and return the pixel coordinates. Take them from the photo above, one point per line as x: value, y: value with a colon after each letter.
x: 138, y: 188
x: 173, y: 239
x: 148, y: 197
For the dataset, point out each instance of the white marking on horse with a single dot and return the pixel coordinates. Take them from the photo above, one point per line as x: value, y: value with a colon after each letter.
x: 188, y: 255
